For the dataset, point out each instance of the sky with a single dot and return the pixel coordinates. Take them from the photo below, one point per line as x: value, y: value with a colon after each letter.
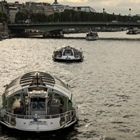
x: 123, y: 7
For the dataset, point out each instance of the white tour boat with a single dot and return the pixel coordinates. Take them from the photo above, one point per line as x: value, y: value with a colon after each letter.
x: 68, y: 54
x: 37, y: 102
x: 92, y: 36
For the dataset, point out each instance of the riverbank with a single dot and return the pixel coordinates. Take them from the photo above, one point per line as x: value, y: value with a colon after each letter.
x: 4, y: 31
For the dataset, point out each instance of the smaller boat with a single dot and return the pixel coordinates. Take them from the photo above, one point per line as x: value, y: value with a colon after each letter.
x: 92, y: 36
x: 68, y: 54
x: 132, y: 32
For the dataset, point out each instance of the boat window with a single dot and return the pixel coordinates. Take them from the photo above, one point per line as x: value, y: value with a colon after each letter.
x: 68, y: 52
x: 70, y: 105
x: 57, y: 103
x: 38, y: 103
x: 58, y: 53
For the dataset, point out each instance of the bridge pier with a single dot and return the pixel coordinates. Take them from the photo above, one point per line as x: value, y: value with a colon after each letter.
x: 53, y: 34
x: 18, y: 33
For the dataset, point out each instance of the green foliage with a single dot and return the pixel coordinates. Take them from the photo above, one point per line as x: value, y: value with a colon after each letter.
x: 75, y: 16
x: 21, y: 16
x: 38, y: 17
x: 3, y: 17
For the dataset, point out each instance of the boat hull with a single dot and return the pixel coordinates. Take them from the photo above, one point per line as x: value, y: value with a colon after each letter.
x: 61, y: 133
x: 42, y: 125
x: 91, y: 38
x: 68, y: 60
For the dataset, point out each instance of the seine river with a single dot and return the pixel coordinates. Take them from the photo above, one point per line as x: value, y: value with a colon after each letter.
x: 106, y: 85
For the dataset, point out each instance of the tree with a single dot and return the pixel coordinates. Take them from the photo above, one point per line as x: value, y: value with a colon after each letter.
x: 3, y: 17
x: 21, y: 16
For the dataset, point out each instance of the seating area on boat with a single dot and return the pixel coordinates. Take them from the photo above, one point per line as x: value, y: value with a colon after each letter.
x: 56, y: 104
x: 68, y: 52
x: 58, y: 53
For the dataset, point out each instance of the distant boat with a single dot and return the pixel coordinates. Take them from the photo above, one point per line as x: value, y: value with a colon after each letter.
x: 68, y: 54
x: 133, y: 31
x: 37, y: 102
x: 92, y: 36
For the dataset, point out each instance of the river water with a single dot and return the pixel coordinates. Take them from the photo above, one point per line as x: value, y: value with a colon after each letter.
x: 106, y: 85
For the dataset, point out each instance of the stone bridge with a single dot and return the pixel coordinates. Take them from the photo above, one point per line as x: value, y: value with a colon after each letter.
x: 57, y: 27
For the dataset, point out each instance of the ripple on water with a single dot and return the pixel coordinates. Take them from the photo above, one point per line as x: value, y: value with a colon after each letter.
x: 106, y: 84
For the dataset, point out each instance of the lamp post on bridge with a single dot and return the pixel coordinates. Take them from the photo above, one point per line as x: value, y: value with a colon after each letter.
x: 129, y: 11
x: 103, y: 13
x: 103, y: 10
x: 129, y: 14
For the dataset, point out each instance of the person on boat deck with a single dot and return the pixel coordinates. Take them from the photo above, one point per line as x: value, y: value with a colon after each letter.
x: 61, y: 105
x: 35, y: 117
x: 22, y: 105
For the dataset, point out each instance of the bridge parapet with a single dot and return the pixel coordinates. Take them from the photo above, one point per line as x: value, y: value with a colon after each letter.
x: 52, y: 26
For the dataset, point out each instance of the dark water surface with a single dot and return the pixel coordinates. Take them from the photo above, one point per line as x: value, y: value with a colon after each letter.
x: 106, y: 85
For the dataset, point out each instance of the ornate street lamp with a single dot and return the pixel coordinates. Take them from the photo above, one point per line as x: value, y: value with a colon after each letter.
x: 103, y: 10
x: 103, y: 13
x: 129, y: 11
x: 130, y: 14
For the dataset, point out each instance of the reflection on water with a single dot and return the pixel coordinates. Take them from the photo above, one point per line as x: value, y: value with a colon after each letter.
x: 106, y: 85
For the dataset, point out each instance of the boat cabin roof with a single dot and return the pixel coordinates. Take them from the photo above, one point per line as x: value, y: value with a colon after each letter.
x: 68, y: 48
x: 92, y: 33
x: 36, y: 79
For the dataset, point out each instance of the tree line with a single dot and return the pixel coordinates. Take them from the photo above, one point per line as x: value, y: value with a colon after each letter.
x: 71, y: 16
x: 3, y: 17
x: 75, y: 16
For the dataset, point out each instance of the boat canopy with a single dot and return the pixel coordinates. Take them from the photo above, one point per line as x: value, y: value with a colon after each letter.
x: 32, y: 79
x: 68, y: 48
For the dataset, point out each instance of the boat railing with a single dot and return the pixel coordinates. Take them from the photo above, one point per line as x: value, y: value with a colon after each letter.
x: 66, y: 117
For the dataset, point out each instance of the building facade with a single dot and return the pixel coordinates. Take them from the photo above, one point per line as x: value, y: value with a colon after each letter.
x: 83, y: 8
x: 45, y: 8
x: 61, y: 8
